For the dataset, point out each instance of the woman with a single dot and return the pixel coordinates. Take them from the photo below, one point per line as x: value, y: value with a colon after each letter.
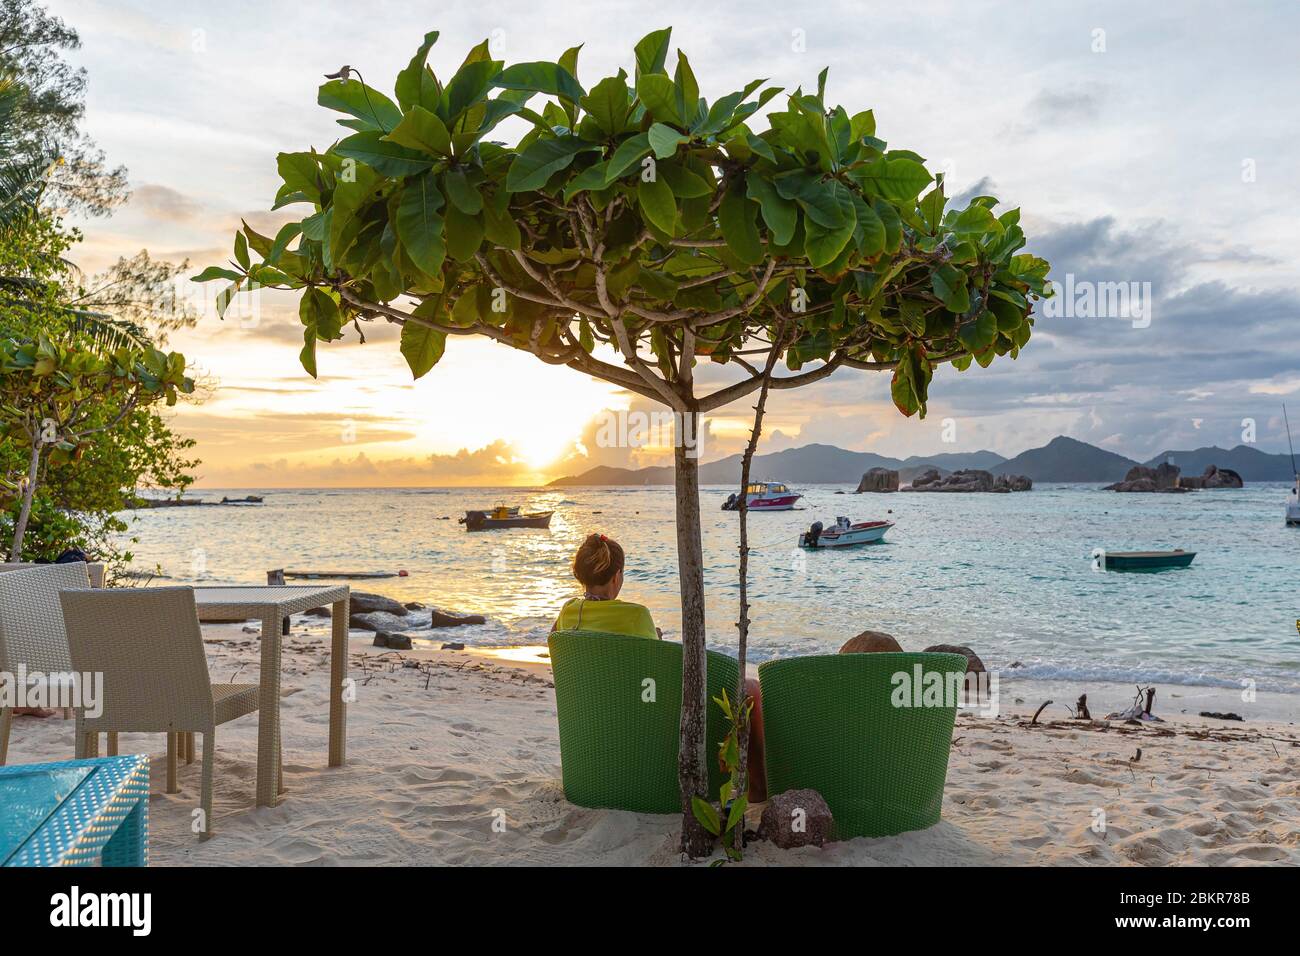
x: 598, y: 566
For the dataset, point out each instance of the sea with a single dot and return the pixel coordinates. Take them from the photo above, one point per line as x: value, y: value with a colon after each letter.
x: 1012, y: 576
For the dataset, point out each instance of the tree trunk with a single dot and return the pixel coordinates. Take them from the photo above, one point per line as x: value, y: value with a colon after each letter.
x: 742, y: 622
x: 25, y: 512
x: 691, y: 775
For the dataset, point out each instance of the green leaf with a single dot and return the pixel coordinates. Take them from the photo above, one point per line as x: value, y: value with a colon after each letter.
x: 464, y: 234
x: 659, y: 96
x: 870, y: 230
x: 308, y: 354
x: 319, y: 312
x: 282, y: 239
x: 462, y: 194
x: 422, y: 130
x: 541, y: 77
x: 422, y: 347
x: 470, y: 84
x: 949, y: 284
x: 241, y: 250
x: 658, y: 203
x: 684, y: 183
x: 498, y: 225
x: 979, y: 334
x: 781, y: 215
x: 629, y: 152
x: 372, y: 108
x: 608, y: 103
x: 707, y: 814
x: 893, y: 224
x: 543, y: 159
x: 214, y: 272
x: 300, y: 174
x: 415, y: 85
x: 664, y: 140
x: 737, y: 217
x: 900, y: 180
x: 386, y: 158
x: 737, y: 813
x: 823, y: 244
x: 652, y: 52
x: 419, y: 225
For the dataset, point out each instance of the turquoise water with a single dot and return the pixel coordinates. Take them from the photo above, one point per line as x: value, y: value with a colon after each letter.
x: 1009, y: 575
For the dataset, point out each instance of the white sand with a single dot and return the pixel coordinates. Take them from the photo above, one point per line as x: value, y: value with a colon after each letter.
x: 437, y: 754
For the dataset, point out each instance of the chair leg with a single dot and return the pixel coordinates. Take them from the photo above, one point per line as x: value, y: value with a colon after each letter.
x: 6, y: 722
x: 189, y: 746
x: 172, y: 786
x: 90, y: 746
x: 112, y: 743
x: 205, y: 799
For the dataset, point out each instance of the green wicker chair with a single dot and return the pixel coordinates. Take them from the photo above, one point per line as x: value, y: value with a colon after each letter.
x: 831, y: 726
x: 615, y: 749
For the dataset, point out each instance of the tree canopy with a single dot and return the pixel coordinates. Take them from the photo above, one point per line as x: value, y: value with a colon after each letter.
x: 637, y: 215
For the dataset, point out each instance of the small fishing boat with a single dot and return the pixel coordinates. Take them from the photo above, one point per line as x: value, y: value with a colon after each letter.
x: 1148, y: 560
x: 503, y: 517
x: 764, y: 496
x: 844, y: 534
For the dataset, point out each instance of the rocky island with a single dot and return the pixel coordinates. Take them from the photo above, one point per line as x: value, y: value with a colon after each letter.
x: 1166, y: 478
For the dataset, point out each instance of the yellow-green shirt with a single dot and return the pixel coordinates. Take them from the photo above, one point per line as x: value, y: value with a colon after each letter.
x: 612, y: 617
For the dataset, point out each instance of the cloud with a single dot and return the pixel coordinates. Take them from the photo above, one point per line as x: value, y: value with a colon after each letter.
x: 164, y: 203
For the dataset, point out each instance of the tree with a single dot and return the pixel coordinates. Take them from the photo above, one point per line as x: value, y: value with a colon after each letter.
x: 633, y: 232
x: 48, y: 118
x: 55, y: 398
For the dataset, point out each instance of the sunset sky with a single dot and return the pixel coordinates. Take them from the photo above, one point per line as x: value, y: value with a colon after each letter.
x: 1150, y: 143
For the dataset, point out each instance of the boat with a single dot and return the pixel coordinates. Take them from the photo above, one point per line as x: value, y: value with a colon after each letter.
x: 344, y: 575
x: 764, y: 496
x: 503, y: 517
x: 1293, y: 500
x: 1148, y: 560
x: 844, y: 534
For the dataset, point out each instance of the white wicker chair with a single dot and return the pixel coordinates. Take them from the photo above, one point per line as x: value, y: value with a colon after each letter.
x: 95, y: 569
x: 148, y: 645
x: 32, y: 635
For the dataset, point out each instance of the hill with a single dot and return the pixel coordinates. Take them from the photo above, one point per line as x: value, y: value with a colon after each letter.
x: 1067, y: 459
x: 1251, y: 463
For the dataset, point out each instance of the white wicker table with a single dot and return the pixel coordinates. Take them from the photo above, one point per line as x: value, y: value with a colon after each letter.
x: 271, y: 605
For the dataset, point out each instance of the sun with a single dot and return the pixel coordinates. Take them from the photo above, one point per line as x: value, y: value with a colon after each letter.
x: 489, y: 393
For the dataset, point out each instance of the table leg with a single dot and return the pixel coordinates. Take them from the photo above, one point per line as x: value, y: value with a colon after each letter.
x: 268, y: 713
x: 338, y: 675
x: 129, y: 845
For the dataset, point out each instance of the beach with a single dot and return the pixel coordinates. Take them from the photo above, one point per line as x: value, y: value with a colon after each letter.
x: 453, y: 758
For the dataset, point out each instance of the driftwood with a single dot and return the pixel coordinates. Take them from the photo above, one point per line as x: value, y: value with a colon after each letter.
x: 1081, y: 708
x: 1039, y: 711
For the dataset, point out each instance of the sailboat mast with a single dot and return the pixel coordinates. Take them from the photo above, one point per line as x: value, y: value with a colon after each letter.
x: 1288, y: 443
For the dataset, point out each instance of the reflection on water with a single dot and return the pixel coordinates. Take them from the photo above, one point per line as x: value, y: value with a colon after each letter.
x: 1010, y: 575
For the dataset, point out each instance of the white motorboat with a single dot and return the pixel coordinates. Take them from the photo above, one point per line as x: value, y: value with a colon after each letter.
x: 844, y: 534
